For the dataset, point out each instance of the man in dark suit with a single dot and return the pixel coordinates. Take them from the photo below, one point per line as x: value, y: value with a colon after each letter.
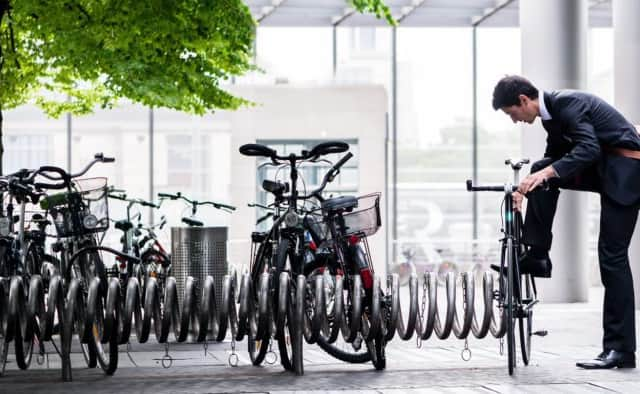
x: 590, y: 147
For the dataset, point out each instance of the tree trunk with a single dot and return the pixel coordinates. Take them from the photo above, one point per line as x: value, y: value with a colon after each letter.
x: 4, y: 7
x: 1, y: 144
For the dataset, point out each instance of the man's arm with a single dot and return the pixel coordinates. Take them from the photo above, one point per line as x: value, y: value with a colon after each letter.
x: 573, y: 112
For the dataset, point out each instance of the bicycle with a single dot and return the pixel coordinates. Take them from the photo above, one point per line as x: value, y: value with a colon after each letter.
x: 154, y: 260
x: 293, y: 255
x: 80, y: 214
x: 517, y: 293
x: 20, y: 267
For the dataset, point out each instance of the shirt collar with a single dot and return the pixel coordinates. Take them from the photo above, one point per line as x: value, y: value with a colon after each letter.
x: 544, y: 113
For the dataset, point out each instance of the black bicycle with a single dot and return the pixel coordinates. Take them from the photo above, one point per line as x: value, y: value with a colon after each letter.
x: 517, y: 292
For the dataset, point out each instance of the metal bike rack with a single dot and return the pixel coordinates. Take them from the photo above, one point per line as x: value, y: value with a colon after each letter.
x: 199, y: 252
x: 198, y: 313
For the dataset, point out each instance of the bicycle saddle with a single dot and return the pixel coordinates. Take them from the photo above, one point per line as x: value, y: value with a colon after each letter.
x: 340, y: 203
x: 258, y: 236
x: 124, y: 225
x: 277, y: 188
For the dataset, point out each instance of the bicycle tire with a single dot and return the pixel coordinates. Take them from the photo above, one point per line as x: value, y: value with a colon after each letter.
x: 18, y: 322
x: 511, y: 351
x: 112, y: 312
x: 258, y: 335
x: 376, y: 348
x: 92, y: 266
x: 297, y: 337
x: 525, y: 324
x: 284, y: 321
x: 4, y: 319
x: 343, y: 355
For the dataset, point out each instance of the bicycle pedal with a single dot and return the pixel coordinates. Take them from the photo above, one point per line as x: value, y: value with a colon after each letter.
x: 541, y: 333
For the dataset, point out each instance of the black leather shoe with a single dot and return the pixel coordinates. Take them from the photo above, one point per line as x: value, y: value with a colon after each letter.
x: 540, y: 268
x: 610, y: 359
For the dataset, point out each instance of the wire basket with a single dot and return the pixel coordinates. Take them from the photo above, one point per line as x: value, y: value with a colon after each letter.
x: 364, y: 220
x: 82, y: 211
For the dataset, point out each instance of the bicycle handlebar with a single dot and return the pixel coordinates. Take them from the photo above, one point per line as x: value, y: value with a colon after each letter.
x: 321, y: 149
x: 139, y: 201
x: 503, y: 188
x: 65, y: 176
x: 328, y: 177
x: 179, y: 196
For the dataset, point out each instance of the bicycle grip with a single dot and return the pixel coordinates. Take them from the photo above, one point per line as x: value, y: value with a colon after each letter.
x: 167, y: 195
x: 148, y: 204
x: 41, y: 185
x: 57, y: 170
x: 344, y: 159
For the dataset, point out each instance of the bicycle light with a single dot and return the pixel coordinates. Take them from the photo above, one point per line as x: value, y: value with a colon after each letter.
x: 291, y: 219
x: 90, y: 221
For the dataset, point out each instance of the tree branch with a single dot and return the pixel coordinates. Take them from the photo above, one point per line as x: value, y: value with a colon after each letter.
x: 4, y: 7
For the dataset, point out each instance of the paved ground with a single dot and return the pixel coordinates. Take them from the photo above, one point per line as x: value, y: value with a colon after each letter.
x: 437, y: 367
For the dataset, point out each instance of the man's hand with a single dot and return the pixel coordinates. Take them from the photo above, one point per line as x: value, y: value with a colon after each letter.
x: 517, y: 201
x: 535, y: 179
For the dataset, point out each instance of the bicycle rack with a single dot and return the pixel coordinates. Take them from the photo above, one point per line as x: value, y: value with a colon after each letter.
x: 40, y: 309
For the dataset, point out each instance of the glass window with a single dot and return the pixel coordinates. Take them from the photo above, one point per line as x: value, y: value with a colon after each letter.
x: 498, y: 54
x: 31, y: 139
x: 192, y: 156
x: 434, y: 137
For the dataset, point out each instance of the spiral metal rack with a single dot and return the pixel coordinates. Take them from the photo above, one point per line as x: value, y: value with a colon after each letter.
x: 39, y: 311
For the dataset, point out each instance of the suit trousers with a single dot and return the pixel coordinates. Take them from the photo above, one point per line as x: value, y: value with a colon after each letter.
x: 617, y: 223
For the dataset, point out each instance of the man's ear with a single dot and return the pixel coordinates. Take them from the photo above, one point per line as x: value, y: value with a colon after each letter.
x: 524, y: 99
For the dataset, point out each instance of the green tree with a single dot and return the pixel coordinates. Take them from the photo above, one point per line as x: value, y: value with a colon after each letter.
x: 70, y: 55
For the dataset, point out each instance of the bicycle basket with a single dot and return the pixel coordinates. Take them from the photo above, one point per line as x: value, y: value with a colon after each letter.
x: 83, y: 211
x: 365, y: 219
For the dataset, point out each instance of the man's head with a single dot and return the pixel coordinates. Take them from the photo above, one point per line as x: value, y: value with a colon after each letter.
x: 516, y: 97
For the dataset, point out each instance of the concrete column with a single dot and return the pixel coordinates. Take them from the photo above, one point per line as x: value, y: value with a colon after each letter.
x: 554, y: 42
x: 626, y: 51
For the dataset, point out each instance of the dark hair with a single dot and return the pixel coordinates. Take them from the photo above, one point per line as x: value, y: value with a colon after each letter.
x: 509, y: 88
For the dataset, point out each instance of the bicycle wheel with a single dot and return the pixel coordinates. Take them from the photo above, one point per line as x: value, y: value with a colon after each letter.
x: 376, y: 349
x: 525, y: 321
x: 92, y: 266
x: 351, y: 349
x: 23, y: 340
x: 296, y: 308
x: 259, y: 321
x: 372, y: 325
x: 4, y: 318
x: 283, y: 306
x: 511, y: 351
x: 33, y: 260
x: 102, y: 340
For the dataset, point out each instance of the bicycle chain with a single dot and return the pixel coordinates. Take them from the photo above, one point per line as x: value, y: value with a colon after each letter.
x: 233, y: 357
x: 423, y: 307
x: 466, y: 352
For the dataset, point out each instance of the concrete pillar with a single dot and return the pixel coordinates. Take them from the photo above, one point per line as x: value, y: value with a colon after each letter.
x: 626, y: 51
x: 554, y: 42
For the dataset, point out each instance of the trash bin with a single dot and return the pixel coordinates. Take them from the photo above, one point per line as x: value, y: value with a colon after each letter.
x: 199, y: 252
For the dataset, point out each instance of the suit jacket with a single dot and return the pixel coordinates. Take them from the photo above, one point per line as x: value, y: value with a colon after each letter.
x: 581, y: 127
